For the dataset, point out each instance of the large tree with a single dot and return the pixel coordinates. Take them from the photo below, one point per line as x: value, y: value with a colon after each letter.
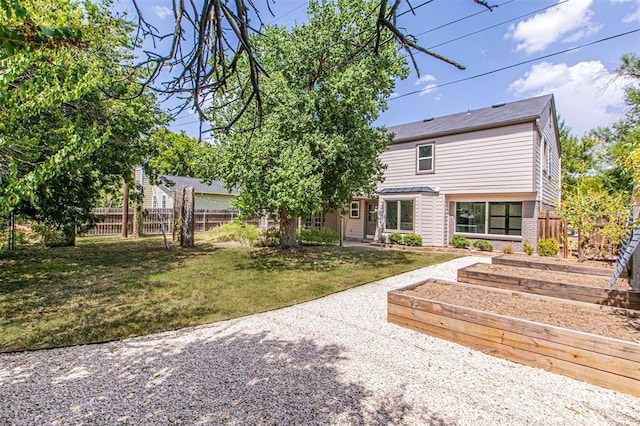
x: 72, y: 117
x: 315, y: 147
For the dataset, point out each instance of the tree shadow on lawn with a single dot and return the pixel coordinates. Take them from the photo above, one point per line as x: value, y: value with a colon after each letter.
x: 235, y: 379
x: 323, y: 258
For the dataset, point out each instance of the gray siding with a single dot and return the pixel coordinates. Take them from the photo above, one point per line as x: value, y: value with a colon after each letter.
x: 550, y: 181
x: 492, y: 160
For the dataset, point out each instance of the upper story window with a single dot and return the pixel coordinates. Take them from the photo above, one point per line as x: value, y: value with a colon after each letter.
x: 425, y: 158
x: 164, y: 201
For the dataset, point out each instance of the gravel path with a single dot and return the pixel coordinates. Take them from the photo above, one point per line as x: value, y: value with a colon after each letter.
x: 331, y: 361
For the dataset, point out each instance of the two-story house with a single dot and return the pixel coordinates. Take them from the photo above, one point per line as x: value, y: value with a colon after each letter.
x: 483, y: 174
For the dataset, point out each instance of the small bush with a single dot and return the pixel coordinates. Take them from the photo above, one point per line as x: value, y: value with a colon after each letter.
x: 527, y: 248
x: 317, y: 236
x: 508, y: 249
x: 460, y: 242
x: 236, y: 231
x: 483, y: 245
x: 412, y: 240
x: 395, y: 238
x: 270, y: 238
x: 548, y: 247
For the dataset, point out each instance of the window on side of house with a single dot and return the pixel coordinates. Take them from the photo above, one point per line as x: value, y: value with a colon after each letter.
x: 154, y: 202
x: 492, y: 218
x: 314, y: 221
x: 505, y: 218
x: 399, y: 215
x: 425, y: 158
x: 354, y: 210
x: 164, y: 201
x: 471, y: 217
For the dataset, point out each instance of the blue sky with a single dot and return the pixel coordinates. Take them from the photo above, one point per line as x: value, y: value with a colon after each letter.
x: 586, y: 91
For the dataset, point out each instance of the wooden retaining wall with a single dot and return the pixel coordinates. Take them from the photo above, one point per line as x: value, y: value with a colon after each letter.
x: 610, y: 363
x: 502, y: 279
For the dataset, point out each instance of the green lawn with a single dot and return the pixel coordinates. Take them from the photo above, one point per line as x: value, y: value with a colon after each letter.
x: 114, y: 288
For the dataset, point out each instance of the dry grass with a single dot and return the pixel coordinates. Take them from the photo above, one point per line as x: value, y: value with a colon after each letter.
x: 112, y: 288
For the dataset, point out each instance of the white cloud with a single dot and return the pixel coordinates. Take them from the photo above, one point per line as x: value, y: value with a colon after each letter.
x: 587, y: 94
x: 633, y: 16
x: 429, y: 87
x: 568, y: 22
x: 162, y: 11
x: 425, y: 79
x: 394, y: 95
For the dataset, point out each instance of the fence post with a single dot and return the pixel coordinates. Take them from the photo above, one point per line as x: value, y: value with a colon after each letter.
x: 125, y: 210
x: 634, y: 268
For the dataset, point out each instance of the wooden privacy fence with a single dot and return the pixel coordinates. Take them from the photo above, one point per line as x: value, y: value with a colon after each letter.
x: 551, y: 225
x: 109, y: 221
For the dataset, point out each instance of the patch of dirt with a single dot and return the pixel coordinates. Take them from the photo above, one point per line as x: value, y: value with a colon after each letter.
x: 587, y: 280
x: 564, y: 261
x: 621, y: 324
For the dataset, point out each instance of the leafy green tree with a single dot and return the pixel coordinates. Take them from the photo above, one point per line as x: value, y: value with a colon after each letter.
x: 178, y: 154
x: 577, y: 156
x: 315, y: 147
x: 72, y: 117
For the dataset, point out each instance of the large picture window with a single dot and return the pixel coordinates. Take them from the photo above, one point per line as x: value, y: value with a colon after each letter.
x: 505, y: 218
x: 399, y: 215
x: 499, y: 218
x: 471, y: 217
x: 425, y: 158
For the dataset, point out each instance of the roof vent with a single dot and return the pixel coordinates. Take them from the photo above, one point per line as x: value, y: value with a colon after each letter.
x: 497, y: 105
x: 427, y: 119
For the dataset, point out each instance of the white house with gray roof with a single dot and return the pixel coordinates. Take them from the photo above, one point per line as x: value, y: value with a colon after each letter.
x: 483, y: 174
x: 213, y: 196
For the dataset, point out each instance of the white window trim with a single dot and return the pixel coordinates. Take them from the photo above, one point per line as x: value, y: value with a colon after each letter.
x: 357, y: 209
x: 413, y: 215
x: 487, y: 218
x: 433, y: 158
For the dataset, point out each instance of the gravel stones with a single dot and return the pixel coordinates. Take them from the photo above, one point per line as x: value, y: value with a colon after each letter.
x: 331, y: 361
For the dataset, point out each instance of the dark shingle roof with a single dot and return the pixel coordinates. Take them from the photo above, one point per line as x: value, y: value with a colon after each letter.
x: 412, y: 189
x: 498, y: 115
x: 176, y: 183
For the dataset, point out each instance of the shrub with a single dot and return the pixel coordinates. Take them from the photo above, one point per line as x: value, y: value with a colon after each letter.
x: 270, y: 238
x: 548, y: 247
x: 508, y: 249
x: 412, y: 240
x: 395, y: 238
x: 317, y: 236
x: 527, y: 248
x: 483, y: 245
x: 236, y: 231
x: 460, y: 242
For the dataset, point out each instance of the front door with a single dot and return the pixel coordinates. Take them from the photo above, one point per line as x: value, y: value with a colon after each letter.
x: 372, y: 219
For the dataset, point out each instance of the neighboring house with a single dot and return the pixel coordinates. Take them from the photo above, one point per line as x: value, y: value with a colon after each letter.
x: 483, y: 174
x: 162, y: 195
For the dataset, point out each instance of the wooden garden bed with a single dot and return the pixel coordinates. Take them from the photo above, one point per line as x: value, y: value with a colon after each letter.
x: 572, y: 286
x: 457, y: 312
x: 554, y: 264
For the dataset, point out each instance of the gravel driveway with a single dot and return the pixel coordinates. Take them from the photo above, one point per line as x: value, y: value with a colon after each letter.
x: 330, y: 361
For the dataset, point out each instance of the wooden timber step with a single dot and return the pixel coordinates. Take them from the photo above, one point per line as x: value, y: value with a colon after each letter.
x: 606, y: 362
x: 567, y: 286
x: 552, y: 264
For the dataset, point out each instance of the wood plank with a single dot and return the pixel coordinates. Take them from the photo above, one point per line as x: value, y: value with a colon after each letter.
x: 558, y: 350
x: 538, y: 285
x: 587, y: 374
x: 600, y: 344
x: 603, y: 297
x: 552, y: 265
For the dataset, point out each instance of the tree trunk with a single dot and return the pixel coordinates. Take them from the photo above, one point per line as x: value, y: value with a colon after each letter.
x: 287, y: 230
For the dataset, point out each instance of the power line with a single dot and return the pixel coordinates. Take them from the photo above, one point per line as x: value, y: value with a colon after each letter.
x: 497, y: 25
x: 516, y: 65
x: 461, y: 19
x: 289, y: 12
